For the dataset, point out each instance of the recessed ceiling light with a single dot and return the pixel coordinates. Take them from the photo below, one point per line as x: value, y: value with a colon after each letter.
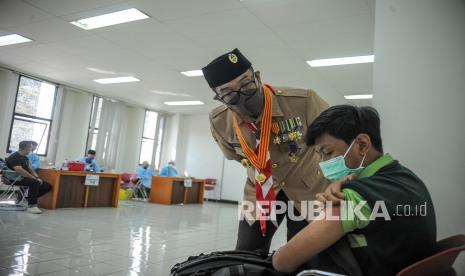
x: 359, y: 97
x: 341, y: 61
x: 13, y: 39
x: 109, y: 19
x: 193, y: 73
x: 184, y: 103
x: 117, y: 80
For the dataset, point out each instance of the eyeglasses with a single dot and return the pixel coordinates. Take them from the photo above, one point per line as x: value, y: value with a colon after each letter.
x: 233, y: 97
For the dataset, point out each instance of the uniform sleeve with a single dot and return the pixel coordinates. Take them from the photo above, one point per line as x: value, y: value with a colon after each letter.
x: 96, y: 167
x: 355, y: 213
x: 164, y: 171
x: 315, y: 105
x: 225, y: 147
x: 35, y: 161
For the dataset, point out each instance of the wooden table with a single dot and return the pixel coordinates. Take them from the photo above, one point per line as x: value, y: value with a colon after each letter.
x: 171, y: 190
x: 69, y: 190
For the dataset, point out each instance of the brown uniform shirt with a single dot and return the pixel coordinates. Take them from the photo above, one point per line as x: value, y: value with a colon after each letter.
x: 300, y: 180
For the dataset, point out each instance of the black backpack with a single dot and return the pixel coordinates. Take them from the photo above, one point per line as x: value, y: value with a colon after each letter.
x: 227, y: 263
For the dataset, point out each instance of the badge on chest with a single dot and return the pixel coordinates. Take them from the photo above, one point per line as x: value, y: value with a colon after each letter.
x: 288, y: 132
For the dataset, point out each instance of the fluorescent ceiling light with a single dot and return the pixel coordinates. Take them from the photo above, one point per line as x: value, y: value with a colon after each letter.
x: 359, y: 97
x: 13, y: 39
x: 117, y: 80
x: 109, y: 19
x: 341, y: 61
x: 184, y: 103
x: 193, y: 73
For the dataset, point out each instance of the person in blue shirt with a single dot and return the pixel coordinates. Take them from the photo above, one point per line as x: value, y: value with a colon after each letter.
x: 90, y: 164
x: 33, y: 157
x: 145, y: 173
x: 169, y: 170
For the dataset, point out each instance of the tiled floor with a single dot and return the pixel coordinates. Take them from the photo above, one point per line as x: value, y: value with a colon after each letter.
x: 135, y: 239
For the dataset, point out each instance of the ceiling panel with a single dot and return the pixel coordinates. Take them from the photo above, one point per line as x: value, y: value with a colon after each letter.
x: 278, y: 36
x: 214, y: 24
x: 177, y: 9
x: 17, y: 13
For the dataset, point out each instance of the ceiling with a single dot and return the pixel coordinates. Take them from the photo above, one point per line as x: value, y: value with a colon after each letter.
x: 278, y: 36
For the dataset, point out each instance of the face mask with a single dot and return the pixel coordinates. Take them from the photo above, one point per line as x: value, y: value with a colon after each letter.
x: 249, y: 105
x: 335, y: 168
x: 145, y: 167
x: 89, y: 160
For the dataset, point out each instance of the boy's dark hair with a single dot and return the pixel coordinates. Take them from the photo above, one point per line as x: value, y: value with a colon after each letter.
x: 346, y: 122
x: 23, y: 144
x: 34, y: 143
x: 93, y: 152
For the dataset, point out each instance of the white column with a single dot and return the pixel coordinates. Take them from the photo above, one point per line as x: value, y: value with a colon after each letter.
x: 419, y: 90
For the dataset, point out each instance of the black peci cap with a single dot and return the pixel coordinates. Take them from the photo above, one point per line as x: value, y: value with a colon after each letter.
x: 225, y: 68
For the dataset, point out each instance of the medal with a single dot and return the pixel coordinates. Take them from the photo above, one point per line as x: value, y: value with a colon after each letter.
x: 260, y: 177
x: 293, y: 150
x: 293, y: 157
x: 246, y: 163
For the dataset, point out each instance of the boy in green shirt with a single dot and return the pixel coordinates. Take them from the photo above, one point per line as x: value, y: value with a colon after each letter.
x: 386, y: 216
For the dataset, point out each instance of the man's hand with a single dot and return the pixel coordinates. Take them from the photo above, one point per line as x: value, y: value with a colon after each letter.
x: 333, y: 191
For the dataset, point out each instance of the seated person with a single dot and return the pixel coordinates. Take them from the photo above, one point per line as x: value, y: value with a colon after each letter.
x: 19, y: 162
x: 33, y: 157
x: 348, y: 140
x: 90, y: 164
x: 169, y: 170
x: 145, y: 174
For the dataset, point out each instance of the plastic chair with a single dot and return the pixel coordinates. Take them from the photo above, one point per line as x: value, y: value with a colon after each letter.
x: 210, y: 183
x: 126, y: 181
x: 440, y: 263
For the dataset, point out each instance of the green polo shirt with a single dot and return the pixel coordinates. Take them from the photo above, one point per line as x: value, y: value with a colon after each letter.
x: 386, y: 245
x: 350, y: 222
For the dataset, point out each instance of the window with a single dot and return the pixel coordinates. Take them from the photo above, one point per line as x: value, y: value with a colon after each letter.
x: 151, y: 138
x: 94, y: 123
x: 33, y: 113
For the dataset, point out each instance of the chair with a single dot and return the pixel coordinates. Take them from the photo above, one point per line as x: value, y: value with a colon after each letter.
x: 139, y: 189
x: 132, y: 182
x: 12, y: 198
x: 440, y: 263
x: 126, y: 181
x: 210, y: 184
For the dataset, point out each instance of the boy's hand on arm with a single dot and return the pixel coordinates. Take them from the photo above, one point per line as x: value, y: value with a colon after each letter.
x: 333, y: 192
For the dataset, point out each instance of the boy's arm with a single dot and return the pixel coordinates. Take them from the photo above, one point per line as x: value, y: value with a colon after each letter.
x: 316, y: 237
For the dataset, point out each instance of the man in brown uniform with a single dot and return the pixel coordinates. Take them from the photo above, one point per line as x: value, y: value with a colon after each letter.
x: 261, y: 127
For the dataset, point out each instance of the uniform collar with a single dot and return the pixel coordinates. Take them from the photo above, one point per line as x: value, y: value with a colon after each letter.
x: 377, y: 165
x: 276, y: 109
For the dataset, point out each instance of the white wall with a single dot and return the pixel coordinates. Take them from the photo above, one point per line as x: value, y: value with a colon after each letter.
x: 198, y: 155
x: 419, y: 89
x: 8, y: 85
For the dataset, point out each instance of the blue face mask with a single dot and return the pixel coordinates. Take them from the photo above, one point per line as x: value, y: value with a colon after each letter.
x: 335, y: 168
x: 89, y: 160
